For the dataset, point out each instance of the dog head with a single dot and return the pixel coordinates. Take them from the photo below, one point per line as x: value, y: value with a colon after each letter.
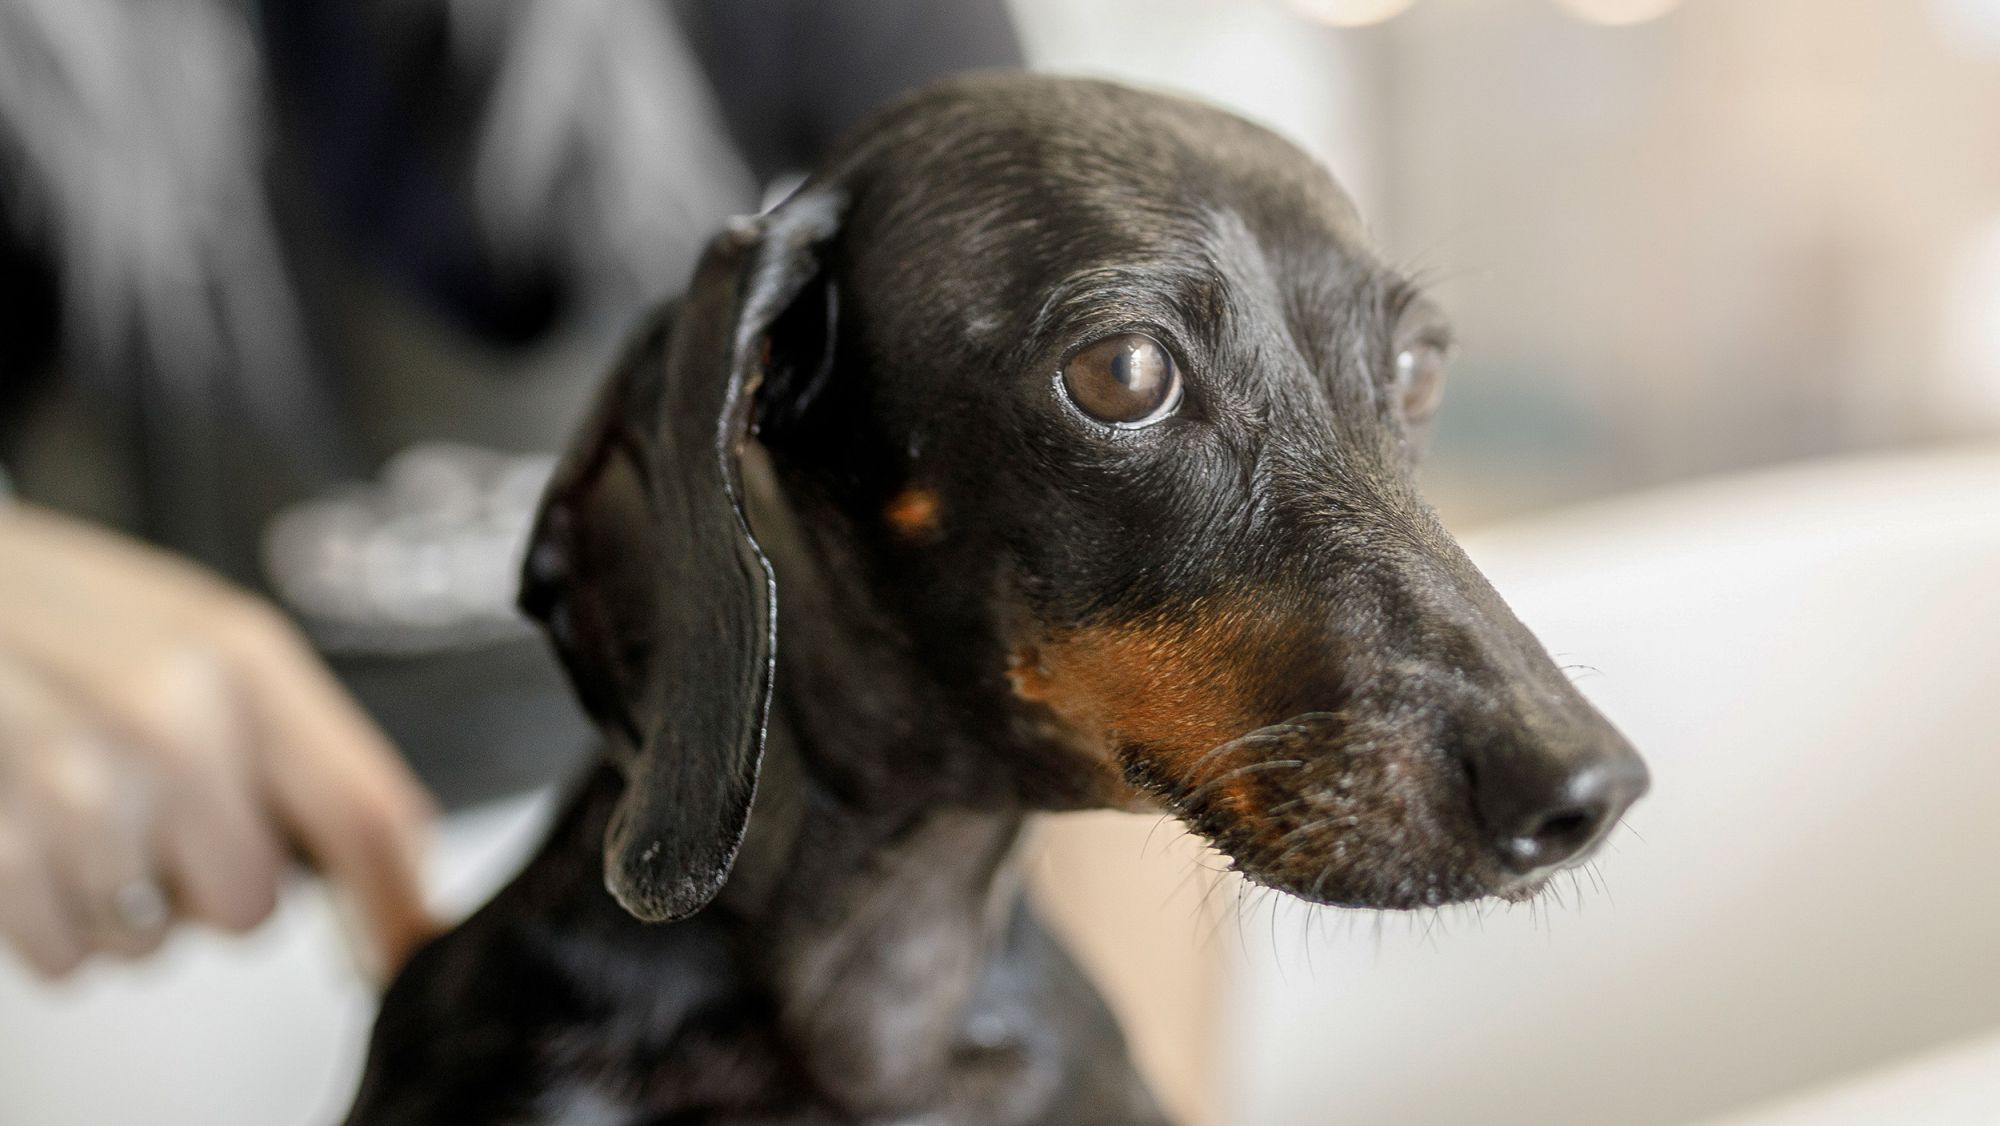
x: 1100, y: 401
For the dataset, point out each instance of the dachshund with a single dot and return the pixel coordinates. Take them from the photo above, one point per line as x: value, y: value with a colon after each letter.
x: 1077, y: 426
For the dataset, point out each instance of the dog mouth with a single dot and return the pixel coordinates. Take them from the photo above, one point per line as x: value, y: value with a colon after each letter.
x: 1338, y: 811
x: 1423, y: 786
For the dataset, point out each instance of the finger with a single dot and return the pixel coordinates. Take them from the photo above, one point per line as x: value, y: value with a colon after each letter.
x: 36, y: 729
x: 224, y: 859
x: 339, y: 788
x: 96, y: 818
x: 219, y: 846
x: 31, y: 914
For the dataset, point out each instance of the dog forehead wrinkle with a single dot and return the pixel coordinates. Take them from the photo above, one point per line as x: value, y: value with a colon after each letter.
x: 1228, y: 241
x: 1299, y: 331
x: 1128, y: 174
x: 1171, y: 288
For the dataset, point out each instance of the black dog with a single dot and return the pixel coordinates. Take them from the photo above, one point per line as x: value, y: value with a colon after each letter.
x: 1076, y: 426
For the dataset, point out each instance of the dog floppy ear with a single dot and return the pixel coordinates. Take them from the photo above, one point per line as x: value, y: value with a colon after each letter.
x: 645, y: 573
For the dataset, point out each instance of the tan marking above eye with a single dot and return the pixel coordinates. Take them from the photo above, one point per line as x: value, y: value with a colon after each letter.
x: 914, y: 513
x: 1128, y: 380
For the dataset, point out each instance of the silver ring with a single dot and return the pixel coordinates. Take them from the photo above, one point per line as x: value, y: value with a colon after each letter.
x: 140, y: 906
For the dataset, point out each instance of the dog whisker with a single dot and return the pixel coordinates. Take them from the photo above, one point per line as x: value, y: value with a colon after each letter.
x: 1288, y: 805
x: 1262, y: 737
x: 1310, y: 826
x: 1148, y: 842
x: 1603, y: 884
x: 1193, y: 798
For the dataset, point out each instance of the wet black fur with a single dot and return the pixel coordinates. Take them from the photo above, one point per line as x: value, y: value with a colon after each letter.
x: 853, y: 948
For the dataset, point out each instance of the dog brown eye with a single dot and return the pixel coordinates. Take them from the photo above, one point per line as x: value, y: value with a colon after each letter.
x: 1419, y: 381
x: 1127, y: 380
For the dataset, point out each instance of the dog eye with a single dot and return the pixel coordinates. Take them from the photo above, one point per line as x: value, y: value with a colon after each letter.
x: 1419, y: 381
x: 1125, y: 380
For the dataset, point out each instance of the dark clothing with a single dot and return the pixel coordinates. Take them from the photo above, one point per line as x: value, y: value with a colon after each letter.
x: 423, y: 319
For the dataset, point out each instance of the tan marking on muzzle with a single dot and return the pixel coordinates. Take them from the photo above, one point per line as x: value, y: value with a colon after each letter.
x: 1163, y: 693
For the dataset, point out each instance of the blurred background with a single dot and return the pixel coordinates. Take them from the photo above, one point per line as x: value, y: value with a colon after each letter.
x: 1724, y: 427
x: 1680, y: 238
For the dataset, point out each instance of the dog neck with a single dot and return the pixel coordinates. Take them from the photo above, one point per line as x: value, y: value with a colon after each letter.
x: 873, y: 930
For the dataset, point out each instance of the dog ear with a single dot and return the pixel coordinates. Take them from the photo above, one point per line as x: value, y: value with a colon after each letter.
x: 644, y: 570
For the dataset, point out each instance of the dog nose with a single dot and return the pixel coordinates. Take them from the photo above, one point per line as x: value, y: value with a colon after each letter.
x: 1540, y: 810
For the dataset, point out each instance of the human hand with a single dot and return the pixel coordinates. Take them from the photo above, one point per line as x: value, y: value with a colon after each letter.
x: 165, y: 739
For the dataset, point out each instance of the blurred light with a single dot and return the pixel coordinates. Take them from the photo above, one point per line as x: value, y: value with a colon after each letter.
x: 1351, y: 13
x: 1971, y: 391
x: 1973, y: 24
x: 1618, y: 12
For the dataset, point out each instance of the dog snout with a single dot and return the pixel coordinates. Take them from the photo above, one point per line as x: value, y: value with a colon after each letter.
x: 1540, y: 809
x: 1548, y: 775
